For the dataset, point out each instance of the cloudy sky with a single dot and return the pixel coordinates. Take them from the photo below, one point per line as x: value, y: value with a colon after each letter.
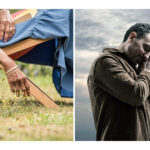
x: 95, y: 29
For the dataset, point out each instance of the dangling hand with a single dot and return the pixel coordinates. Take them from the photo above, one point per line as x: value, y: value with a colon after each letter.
x: 16, y: 79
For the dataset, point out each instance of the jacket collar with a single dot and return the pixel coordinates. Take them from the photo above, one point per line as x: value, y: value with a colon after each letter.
x: 113, y: 50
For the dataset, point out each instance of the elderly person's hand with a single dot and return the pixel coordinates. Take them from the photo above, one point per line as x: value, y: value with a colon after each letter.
x: 16, y: 79
x: 7, y: 25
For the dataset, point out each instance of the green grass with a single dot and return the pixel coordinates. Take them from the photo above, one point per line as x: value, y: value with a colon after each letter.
x: 26, y: 119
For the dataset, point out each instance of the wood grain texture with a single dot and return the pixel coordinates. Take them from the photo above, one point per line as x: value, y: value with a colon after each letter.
x: 41, y: 96
x: 22, y: 45
x: 20, y: 19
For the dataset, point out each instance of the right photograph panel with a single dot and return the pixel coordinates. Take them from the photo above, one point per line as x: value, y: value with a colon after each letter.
x: 112, y: 75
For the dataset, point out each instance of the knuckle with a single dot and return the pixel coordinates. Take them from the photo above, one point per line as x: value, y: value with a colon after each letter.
x: 22, y: 78
x: 27, y: 87
x: 12, y: 81
x: 7, y: 31
x: 18, y: 79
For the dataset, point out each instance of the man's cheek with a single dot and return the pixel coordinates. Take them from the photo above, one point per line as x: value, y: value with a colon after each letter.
x: 148, y: 65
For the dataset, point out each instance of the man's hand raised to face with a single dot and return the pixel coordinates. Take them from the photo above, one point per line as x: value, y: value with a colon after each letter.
x: 7, y: 25
x: 145, y: 66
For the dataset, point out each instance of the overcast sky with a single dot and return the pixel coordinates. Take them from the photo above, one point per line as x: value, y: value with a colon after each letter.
x: 95, y: 29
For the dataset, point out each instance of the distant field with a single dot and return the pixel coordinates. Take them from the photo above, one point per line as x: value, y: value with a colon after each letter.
x: 27, y: 119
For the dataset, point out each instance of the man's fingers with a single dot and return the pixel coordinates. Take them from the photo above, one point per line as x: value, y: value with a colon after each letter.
x: 1, y: 31
x: 12, y: 30
x: 7, y: 32
x: 17, y: 89
x: 23, y: 88
x: 27, y: 87
x: 12, y: 86
x: 10, y: 33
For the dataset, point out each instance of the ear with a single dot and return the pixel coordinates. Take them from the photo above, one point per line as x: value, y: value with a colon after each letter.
x: 132, y: 36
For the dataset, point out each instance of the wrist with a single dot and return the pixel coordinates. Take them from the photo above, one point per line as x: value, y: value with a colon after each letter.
x: 6, y: 61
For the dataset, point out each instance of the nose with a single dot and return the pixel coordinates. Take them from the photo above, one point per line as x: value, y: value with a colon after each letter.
x: 146, y: 56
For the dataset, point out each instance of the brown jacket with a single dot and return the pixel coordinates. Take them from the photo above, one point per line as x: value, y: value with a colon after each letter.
x: 119, y: 98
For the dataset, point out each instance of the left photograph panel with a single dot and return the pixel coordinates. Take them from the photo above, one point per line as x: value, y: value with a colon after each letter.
x: 36, y: 74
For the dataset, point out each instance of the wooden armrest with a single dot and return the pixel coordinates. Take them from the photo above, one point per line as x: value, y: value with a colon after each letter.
x: 23, y: 18
x: 22, y: 45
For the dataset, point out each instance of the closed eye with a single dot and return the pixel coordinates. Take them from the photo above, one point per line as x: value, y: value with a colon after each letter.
x: 146, y: 47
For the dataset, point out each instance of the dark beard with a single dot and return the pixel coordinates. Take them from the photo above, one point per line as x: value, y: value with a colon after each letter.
x: 141, y: 67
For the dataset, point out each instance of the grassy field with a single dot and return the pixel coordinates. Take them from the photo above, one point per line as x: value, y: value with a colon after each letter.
x: 25, y: 119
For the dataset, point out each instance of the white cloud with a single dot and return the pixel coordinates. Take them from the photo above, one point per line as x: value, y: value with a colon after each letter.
x: 84, y: 60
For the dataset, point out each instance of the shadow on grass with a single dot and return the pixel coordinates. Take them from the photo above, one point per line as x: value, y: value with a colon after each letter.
x: 62, y: 103
x: 22, y: 103
x: 35, y: 103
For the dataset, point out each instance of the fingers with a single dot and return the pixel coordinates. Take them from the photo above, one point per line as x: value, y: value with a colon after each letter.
x: 12, y: 86
x: 27, y: 87
x: 11, y: 30
x: 17, y: 86
x: 7, y: 32
x: 1, y: 30
x: 141, y: 67
x: 18, y: 83
x: 7, y: 26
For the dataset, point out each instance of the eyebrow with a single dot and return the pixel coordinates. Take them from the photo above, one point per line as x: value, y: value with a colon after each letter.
x: 146, y: 47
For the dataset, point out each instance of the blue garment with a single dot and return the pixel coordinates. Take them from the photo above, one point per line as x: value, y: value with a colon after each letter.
x: 56, y: 24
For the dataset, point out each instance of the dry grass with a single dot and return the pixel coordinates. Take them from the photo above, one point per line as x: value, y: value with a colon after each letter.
x: 27, y: 119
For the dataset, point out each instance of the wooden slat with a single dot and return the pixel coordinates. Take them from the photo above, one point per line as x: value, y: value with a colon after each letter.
x: 20, y: 19
x: 41, y: 96
x: 22, y: 45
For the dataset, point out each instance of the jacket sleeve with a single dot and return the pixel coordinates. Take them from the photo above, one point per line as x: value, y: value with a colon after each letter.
x: 110, y: 75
